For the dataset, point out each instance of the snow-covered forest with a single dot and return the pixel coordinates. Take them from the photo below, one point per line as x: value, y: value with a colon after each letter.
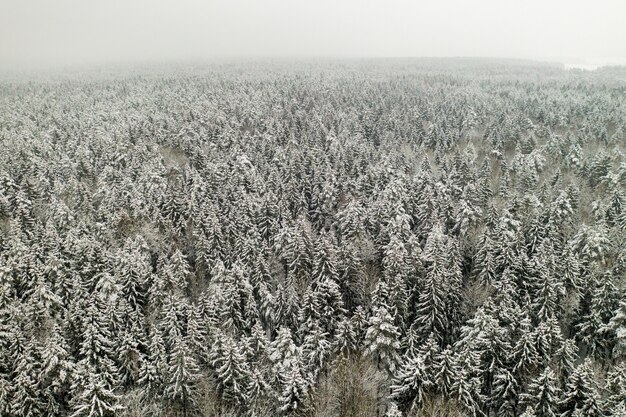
x: 329, y: 238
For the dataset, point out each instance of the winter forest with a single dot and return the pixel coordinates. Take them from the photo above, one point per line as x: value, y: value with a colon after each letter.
x: 318, y: 238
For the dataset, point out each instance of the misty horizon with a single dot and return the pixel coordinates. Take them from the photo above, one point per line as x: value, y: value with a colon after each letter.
x: 73, y: 33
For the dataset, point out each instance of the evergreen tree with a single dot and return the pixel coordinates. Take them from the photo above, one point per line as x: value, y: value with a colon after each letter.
x: 316, y: 349
x: 129, y: 358
x: 182, y: 378
x: 617, y: 326
x: 154, y: 367
x: 543, y: 395
x: 381, y: 339
x: 505, y: 393
x: 580, y: 394
x: 445, y: 371
x: 346, y: 340
x: 294, y: 392
x: 466, y: 390
x: 96, y: 348
x: 134, y: 272
x: 231, y: 368
x: 524, y: 353
x: 592, y: 329
x: 57, y: 371
x: 548, y: 291
x: 26, y: 398
x: 284, y: 353
x: 615, y: 392
x: 411, y: 382
x: 436, y: 310
x: 93, y: 396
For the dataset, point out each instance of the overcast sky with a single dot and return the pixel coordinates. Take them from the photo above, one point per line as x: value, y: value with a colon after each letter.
x: 98, y: 31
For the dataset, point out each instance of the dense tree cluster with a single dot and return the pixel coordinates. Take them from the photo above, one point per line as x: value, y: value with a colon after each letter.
x: 330, y: 238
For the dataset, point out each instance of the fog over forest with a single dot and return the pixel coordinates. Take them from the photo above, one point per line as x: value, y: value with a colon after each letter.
x: 64, y: 32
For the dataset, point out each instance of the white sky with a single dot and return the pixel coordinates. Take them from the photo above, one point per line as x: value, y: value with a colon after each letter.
x: 97, y: 31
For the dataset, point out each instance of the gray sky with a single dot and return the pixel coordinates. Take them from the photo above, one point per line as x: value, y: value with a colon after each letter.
x: 97, y: 31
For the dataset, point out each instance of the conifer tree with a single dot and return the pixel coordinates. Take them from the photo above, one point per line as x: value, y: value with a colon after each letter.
x: 617, y: 326
x: 232, y: 371
x: 411, y: 382
x: 182, y: 378
x: 294, y: 392
x: 524, y: 353
x: 134, y: 272
x: 96, y: 351
x: 154, y: 367
x: 57, y: 371
x: 614, y: 403
x: 346, y: 340
x: 129, y: 358
x: 382, y: 339
x: 580, y: 394
x: 445, y: 371
x: 592, y: 329
x: 93, y: 396
x: 543, y: 395
x: 224, y: 240
x: 283, y: 350
x: 436, y: 310
x: 505, y: 393
x: 316, y: 349
x: 26, y: 398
